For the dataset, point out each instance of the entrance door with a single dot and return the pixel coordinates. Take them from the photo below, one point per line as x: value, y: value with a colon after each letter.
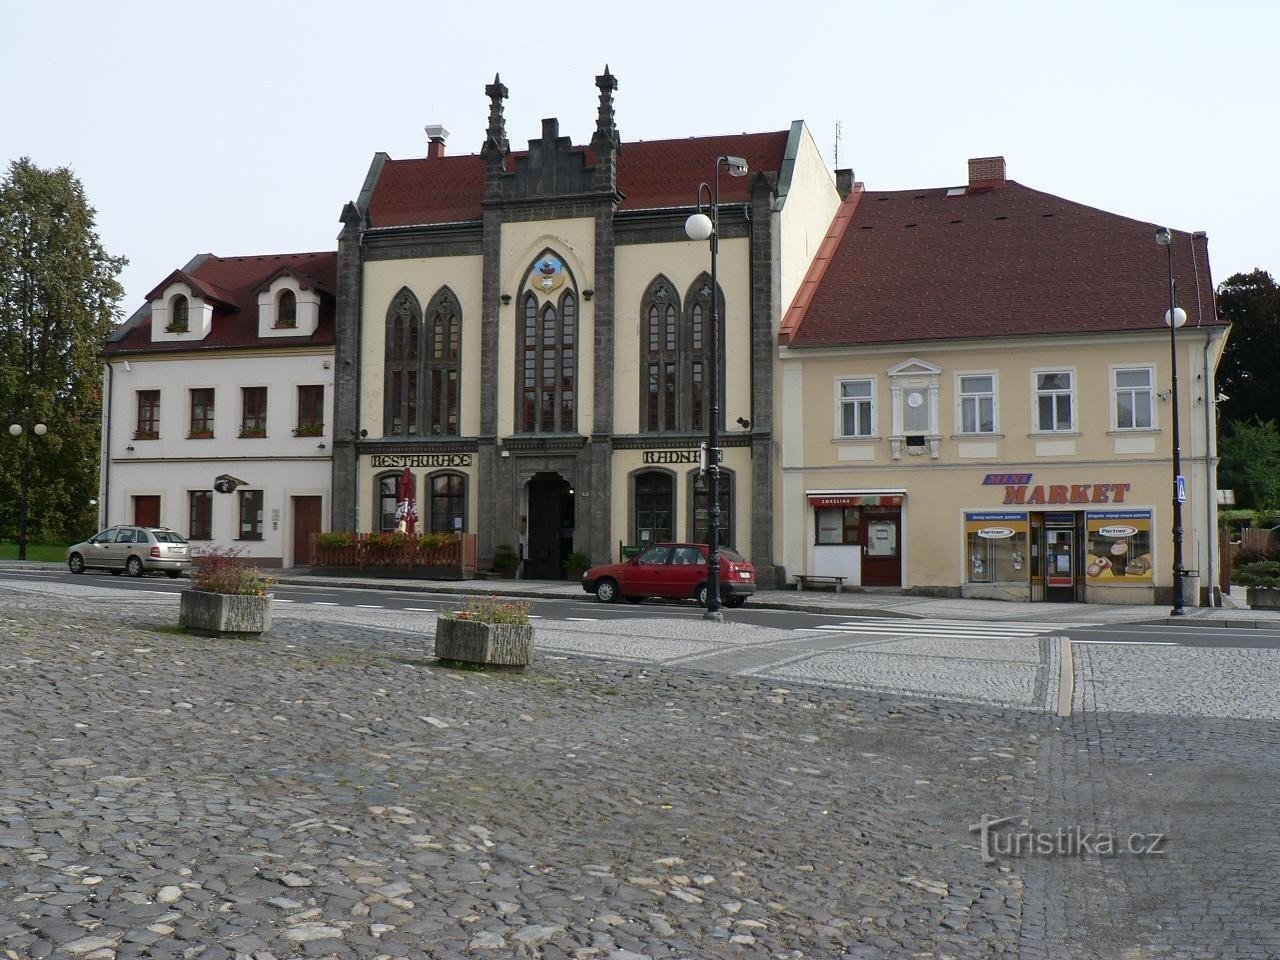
x: 306, y: 521
x: 550, y: 527
x: 146, y: 511
x: 881, y: 534
x: 1061, y: 557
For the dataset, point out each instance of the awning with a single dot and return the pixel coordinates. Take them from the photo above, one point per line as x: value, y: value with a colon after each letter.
x: 817, y: 500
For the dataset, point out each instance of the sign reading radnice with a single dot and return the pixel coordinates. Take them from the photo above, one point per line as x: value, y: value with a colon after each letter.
x: 1067, y: 493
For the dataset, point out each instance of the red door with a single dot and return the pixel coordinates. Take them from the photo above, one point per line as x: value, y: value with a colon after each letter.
x: 306, y: 521
x: 146, y: 511
x: 647, y: 576
x: 881, y: 534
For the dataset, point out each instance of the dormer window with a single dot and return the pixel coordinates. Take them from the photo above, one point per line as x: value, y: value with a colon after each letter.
x: 179, y: 315
x: 287, y: 309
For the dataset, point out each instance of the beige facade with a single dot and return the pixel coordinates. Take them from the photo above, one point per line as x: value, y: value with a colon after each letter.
x: 947, y: 440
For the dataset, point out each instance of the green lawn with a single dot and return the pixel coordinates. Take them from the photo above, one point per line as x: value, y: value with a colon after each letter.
x: 35, y: 551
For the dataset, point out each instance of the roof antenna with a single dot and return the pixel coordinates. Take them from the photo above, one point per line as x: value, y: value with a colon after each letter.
x: 835, y: 154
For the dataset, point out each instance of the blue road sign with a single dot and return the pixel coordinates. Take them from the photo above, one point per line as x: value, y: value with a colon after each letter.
x: 1180, y: 489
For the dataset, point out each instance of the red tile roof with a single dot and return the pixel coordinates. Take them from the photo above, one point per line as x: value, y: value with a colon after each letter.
x: 651, y: 174
x: 232, y: 285
x: 1003, y: 261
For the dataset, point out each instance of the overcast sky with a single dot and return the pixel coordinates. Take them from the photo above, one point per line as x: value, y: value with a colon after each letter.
x: 242, y: 128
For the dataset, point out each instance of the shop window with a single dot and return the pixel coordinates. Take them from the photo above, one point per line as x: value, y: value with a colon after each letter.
x: 447, y: 507
x: 386, y: 490
x: 1055, y: 406
x: 148, y: 415
x: 857, y: 408
x: 200, y: 511
x: 253, y: 412
x: 977, y: 403
x: 202, y: 412
x: 837, y: 525
x: 700, y: 499
x: 1133, y: 387
x: 250, y: 515
x: 654, y: 497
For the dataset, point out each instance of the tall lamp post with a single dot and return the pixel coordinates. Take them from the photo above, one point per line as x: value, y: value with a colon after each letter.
x: 16, y: 430
x: 702, y: 227
x: 1174, y: 317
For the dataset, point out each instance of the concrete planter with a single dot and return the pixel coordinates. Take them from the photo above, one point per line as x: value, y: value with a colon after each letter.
x: 1263, y: 598
x: 470, y: 641
x: 224, y: 614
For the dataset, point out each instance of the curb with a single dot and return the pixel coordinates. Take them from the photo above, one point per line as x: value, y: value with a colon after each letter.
x: 1272, y: 624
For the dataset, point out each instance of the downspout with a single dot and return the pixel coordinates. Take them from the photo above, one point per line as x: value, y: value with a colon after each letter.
x: 1210, y: 404
x: 109, y: 401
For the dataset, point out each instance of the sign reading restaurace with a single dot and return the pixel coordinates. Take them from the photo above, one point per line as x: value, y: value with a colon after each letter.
x: 421, y: 460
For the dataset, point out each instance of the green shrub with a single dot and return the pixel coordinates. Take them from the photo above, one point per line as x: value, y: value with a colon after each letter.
x: 223, y: 570
x: 504, y: 557
x: 335, y: 538
x: 1265, y: 573
x: 577, y: 561
x: 493, y: 610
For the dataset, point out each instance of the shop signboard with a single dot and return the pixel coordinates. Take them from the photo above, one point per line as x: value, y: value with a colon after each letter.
x: 1118, y: 547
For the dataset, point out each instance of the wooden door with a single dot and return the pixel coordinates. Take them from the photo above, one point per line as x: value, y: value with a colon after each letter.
x: 146, y: 511
x: 306, y: 521
x: 881, y: 535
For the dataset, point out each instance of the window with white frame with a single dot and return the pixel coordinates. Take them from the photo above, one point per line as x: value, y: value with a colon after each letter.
x: 1055, y: 406
x: 977, y: 403
x: 1133, y: 388
x: 857, y: 408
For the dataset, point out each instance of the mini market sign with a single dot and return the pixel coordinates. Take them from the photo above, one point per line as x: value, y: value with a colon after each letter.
x: 1066, y: 493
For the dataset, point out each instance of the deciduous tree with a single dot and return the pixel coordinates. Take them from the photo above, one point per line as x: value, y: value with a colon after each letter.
x: 59, y: 298
x: 1249, y: 373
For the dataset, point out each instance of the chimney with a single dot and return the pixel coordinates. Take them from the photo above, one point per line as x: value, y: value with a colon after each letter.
x: 436, y: 136
x: 844, y: 182
x: 986, y: 172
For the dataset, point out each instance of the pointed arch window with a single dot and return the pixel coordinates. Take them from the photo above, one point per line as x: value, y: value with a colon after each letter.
x: 404, y: 319
x: 698, y: 357
x: 548, y: 349
x: 662, y: 346
x: 440, y: 362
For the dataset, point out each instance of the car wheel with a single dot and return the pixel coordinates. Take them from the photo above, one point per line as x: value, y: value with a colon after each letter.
x: 635, y: 599
x: 133, y: 567
x: 735, y: 601
x: 76, y: 563
x: 701, y: 595
x: 174, y: 574
x: 607, y: 591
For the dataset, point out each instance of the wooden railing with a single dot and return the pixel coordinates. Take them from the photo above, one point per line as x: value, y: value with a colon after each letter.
x: 383, y: 551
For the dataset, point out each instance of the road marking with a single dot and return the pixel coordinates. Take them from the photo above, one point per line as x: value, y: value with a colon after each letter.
x: 1131, y: 643
x: 324, y: 603
x: 583, y: 619
x: 1066, y: 679
x: 280, y: 600
x: 420, y: 609
x: 942, y: 629
x: 369, y: 606
x: 535, y: 616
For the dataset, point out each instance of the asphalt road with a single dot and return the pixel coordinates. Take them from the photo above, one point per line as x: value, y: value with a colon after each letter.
x: 587, y: 609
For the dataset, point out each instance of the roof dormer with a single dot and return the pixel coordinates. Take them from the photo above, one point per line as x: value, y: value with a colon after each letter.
x: 179, y: 312
x: 288, y: 307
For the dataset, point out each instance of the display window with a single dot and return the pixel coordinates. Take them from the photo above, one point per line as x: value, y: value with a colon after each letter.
x: 1118, y: 544
x: 996, y: 547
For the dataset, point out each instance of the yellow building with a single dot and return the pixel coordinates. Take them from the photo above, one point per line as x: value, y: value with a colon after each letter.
x: 975, y: 398
x: 529, y: 333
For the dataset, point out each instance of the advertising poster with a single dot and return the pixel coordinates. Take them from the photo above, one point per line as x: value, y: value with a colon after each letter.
x: 995, y: 547
x: 1118, y: 547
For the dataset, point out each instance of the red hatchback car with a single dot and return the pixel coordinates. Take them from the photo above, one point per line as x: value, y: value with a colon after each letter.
x: 674, y: 570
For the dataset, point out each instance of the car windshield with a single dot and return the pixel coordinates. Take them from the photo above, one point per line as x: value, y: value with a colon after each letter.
x: 168, y: 536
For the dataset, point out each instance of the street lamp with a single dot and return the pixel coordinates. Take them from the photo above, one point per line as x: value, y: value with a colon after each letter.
x: 699, y: 226
x: 1174, y: 317
x: 15, y: 431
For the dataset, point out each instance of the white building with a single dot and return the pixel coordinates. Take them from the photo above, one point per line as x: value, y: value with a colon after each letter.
x: 226, y: 372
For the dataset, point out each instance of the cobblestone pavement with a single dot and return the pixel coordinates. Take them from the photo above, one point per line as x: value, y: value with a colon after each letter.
x: 327, y: 791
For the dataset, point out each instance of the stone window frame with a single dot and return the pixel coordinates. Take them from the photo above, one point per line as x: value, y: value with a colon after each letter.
x: 697, y: 304
x: 200, y: 520
x: 401, y: 412
x: 392, y: 479
x: 728, y: 524
x: 247, y: 499
x: 429, y: 495
x: 664, y: 347
x: 1117, y: 390
x: 530, y: 419
x: 633, y: 501
x: 440, y: 364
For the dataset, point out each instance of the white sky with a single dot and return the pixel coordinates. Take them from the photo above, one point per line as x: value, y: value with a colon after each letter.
x: 242, y: 128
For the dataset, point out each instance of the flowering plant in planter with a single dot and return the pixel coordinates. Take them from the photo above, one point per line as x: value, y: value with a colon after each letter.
x: 223, y: 570
x: 309, y: 430
x: 488, y: 631
x: 228, y: 595
x: 1263, y: 580
x: 493, y: 610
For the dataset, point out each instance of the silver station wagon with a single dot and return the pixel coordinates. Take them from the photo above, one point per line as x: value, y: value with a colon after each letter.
x: 132, y: 550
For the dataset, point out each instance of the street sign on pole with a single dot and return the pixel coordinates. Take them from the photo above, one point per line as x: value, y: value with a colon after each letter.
x: 1180, y: 489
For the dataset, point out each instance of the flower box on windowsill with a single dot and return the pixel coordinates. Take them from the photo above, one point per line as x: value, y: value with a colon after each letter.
x: 252, y: 433
x: 146, y: 435
x: 285, y: 325
x: 200, y: 435
x: 177, y: 328
x: 309, y: 430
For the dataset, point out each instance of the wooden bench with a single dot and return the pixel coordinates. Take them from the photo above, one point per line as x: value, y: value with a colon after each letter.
x: 808, y: 580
